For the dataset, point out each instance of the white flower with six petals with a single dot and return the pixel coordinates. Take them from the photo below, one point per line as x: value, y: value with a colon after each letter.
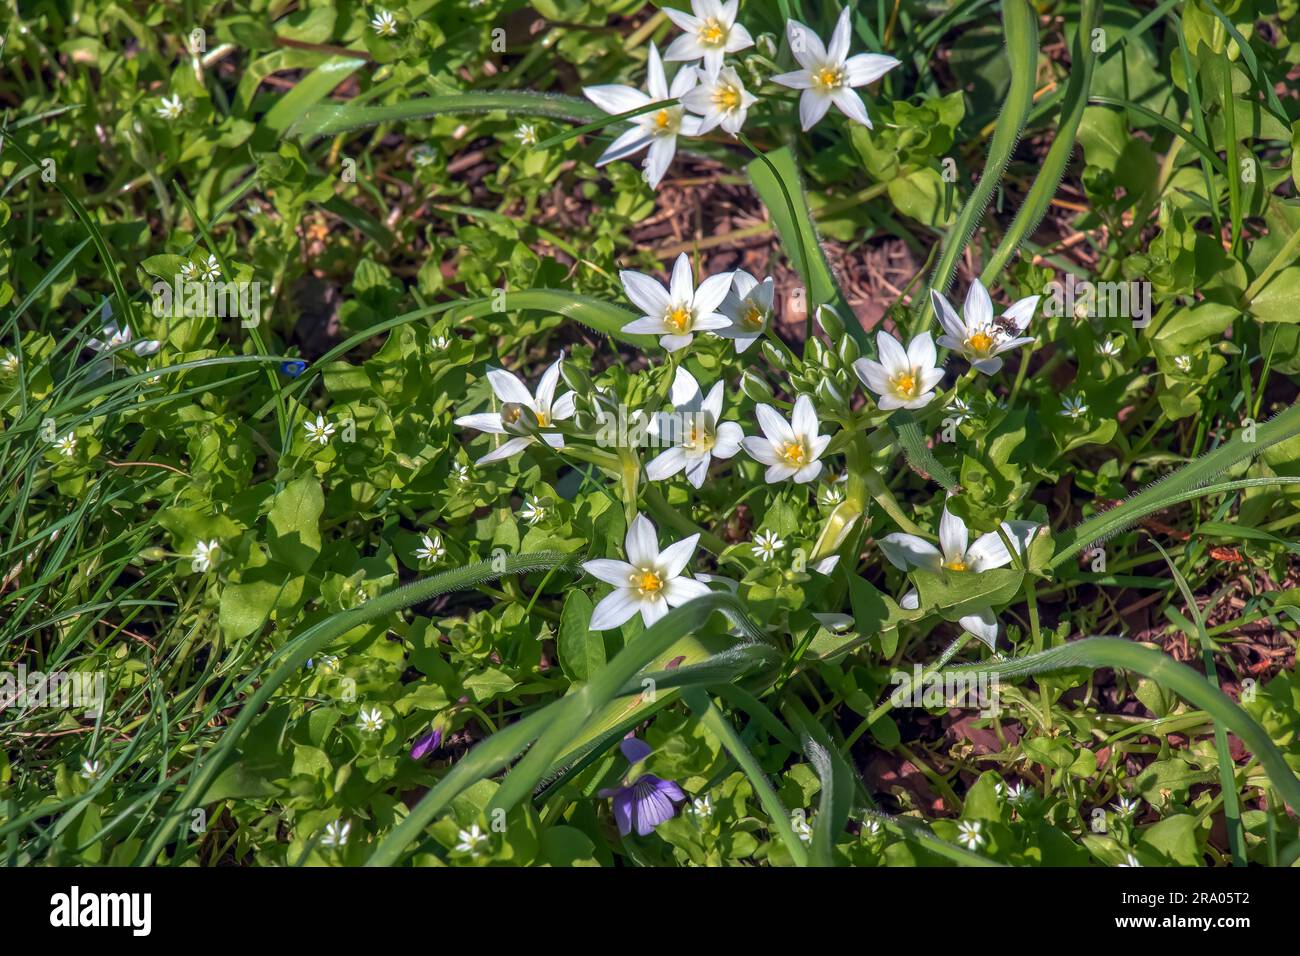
x: 903, y: 378
x: 657, y: 130
x: 790, y: 450
x: 957, y: 553
x: 694, y: 431
x: 545, y: 407
x: 829, y: 74
x: 749, y: 307
x: 976, y: 335
x: 650, y: 581
x: 676, y: 313
x: 720, y: 100
x: 711, y: 33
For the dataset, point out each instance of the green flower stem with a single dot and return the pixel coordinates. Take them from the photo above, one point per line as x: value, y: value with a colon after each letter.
x: 949, y: 653
x: 889, y: 504
x: 672, y: 518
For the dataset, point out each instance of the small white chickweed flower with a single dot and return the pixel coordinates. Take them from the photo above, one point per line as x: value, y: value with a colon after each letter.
x: 320, y: 430
x: 1073, y: 408
x: 533, y: 510
x: 471, y: 841
x: 90, y: 769
x: 431, y: 548
x: 336, y: 833
x: 67, y: 444
x: 370, y: 720
x: 526, y: 134
x: 384, y: 23
x: 1109, y: 348
x: 702, y: 807
x: 1130, y: 859
x: 9, y: 364
x: 1183, y: 363
x: 968, y: 834
x: 1125, y: 806
x: 206, y: 554
x: 172, y: 108
x: 767, y: 544
x: 210, y: 271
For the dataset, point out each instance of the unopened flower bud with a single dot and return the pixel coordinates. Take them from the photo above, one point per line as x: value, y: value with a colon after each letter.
x: 755, y: 388
x: 775, y: 356
x: 830, y: 322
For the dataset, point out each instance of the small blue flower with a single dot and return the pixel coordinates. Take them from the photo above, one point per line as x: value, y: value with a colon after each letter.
x: 293, y: 367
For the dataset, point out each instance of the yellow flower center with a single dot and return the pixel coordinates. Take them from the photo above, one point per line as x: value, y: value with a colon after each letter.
x: 980, y: 342
x: 678, y: 318
x: 754, y: 317
x: 828, y: 78
x: 713, y: 33
x: 665, y: 122
x: 542, y: 418
x: 647, y: 581
x: 698, y: 438
x: 957, y: 565
x: 905, y: 384
x: 795, y: 454
x: 726, y: 97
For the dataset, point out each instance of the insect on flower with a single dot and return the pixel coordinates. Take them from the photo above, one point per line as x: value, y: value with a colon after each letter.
x: 677, y: 312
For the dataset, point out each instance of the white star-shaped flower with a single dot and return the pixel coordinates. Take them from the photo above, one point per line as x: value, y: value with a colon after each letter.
x: 210, y: 271
x: 968, y: 834
x: 903, y: 378
x: 1125, y: 806
x: 702, y: 807
x: 545, y: 407
x: 1073, y: 408
x: 790, y: 450
x: 67, y: 444
x: 90, y: 769
x: 423, y: 155
x: 336, y: 833
x: 693, y: 430
x: 657, y: 130
x: 977, y: 335
x: 319, y: 431
x: 956, y: 553
x: 711, y: 33
x: 526, y: 134
x: 676, y: 313
x: 1109, y: 348
x: 9, y: 364
x: 720, y: 100
x: 370, y: 720
x: 1183, y: 363
x: 749, y: 307
x: 649, y: 581
x: 471, y: 841
x: 460, y: 472
x: 384, y: 24
x: 171, y: 108
x: 767, y: 544
x: 533, y: 510
x: 206, y: 554
x: 829, y: 74
x: 116, y: 337
x: 959, y: 409
x: 431, y: 548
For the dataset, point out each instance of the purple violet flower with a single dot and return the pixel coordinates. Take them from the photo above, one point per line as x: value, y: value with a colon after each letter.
x: 647, y: 801
x: 426, y: 745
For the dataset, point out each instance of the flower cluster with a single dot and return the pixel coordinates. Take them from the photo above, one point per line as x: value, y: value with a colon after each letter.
x: 706, y: 93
